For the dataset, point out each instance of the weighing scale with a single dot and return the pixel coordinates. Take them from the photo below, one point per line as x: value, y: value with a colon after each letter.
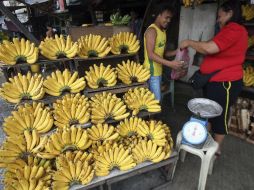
x: 194, y: 131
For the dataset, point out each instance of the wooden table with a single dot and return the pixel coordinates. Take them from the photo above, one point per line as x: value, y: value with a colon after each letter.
x: 117, y: 175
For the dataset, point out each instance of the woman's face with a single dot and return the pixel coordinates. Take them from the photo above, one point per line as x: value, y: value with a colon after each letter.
x: 224, y: 17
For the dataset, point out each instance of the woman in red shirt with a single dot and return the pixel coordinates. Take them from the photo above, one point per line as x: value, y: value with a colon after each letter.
x: 224, y: 53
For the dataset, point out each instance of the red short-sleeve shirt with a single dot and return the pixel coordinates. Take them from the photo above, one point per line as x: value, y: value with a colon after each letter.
x: 232, y: 41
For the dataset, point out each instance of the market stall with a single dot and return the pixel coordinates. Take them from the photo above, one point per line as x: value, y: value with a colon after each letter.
x: 77, y: 116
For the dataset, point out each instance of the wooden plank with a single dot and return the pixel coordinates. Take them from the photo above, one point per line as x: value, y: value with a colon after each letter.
x: 248, y: 89
x: 61, y: 60
x: 249, y: 57
x: 145, y: 168
x: 118, y: 88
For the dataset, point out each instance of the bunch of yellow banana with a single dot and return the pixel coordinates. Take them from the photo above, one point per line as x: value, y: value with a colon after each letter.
x: 107, y: 106
x: 102, y: 133
x: 59, y: 82
x: 169, y: 139
x: 101, y: 76
x: 28, y: 118
x: 72, y: 173
x: 75, y: 156
x: 248, y: 76
x: 98, y: 147
x: 124, y: 42
x: 116, y: 157
x: 248, y: 12
x: 54, y: 48
x: 73, y: 138
x: 30, y: 177
x: 154, y: 131
x: 46, y: 164
x: 93, y: 46
x: 23, y: 87
x: 129, y: 142
x: 16, y: 147
x: 250, y: 41
x: 148, y: 151
x: 131, y: 71
x: 71, y: 109
x: 18, y: 51
x: 138, y: 99
x: 128, y: 127
x: 33, y: 107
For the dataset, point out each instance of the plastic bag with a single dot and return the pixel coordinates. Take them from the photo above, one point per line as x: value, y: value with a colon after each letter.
x: 181, y: 55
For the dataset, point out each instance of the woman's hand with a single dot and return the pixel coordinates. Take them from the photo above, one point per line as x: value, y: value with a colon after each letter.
x: 184, y: 44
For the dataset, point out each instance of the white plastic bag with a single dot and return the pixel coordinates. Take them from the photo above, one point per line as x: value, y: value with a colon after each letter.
x: 181, y: 55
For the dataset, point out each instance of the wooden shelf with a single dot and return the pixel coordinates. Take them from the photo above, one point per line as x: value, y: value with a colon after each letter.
x: 248, y: 89
x: 62, y: 60
x: 249, y: 57
x: 118, y: 88
x: 248, y: 23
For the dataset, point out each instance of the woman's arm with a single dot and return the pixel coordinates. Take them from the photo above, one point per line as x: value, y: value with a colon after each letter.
x: 206, y: 48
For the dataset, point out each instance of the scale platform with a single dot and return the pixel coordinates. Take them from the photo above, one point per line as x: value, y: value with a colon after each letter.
x: 195, y: 130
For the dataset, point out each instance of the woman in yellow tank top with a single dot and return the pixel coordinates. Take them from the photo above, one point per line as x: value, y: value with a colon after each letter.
x: 154, y: 44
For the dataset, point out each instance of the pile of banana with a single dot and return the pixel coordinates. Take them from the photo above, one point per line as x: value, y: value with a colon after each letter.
x: 19, y: 147
x: 124, y: 42
x: 153, y: 131
x: 130, y: 71
x: 59, y: 82
x: 58, y: 47
x: 73, y: 138
x: 72, y: 155
x: 148, y: 151
x: 93, y: 46
x: 248, y: 12
x: 117, y: 19
x: 18, y: 51
x: 135, y: 131
x: 248, y: 76
x: 105, y: 106
x: 190, y: 3
x: 115, y: 157
x: 128, y: 127
x: 71, y: 109
x: 35, y: 173
x: 250, y: 41
x: 23, y: 87
x: 138, y: 99
x: 98, y: 76
x: 101, y: 133
x: 28, y: 117
x: 72, y: 169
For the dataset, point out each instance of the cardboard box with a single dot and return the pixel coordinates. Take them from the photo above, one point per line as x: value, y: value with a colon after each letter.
x: 105, y: 31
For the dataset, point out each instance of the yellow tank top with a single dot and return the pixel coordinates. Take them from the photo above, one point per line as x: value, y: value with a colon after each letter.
x: 160, y: 43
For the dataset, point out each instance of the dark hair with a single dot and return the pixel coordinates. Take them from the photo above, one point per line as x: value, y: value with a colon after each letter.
x: 235, y: 7
x: 159, y: 9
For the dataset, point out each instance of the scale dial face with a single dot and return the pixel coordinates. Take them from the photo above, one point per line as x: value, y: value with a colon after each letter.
x: 194, y: 132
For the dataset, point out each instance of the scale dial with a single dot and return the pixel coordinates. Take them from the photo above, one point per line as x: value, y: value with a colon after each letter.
x: 194, y: 132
